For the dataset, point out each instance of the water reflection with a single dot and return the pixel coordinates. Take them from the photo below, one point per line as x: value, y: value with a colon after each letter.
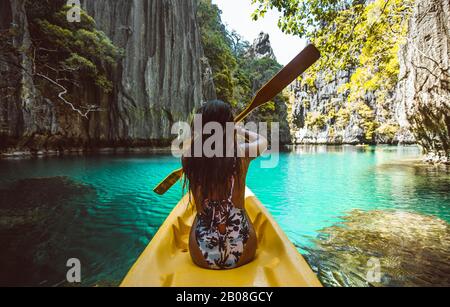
x: 406, y: 181
x: 314, y: 149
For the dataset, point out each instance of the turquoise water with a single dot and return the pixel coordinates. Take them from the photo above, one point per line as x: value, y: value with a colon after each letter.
x: 101, y: 209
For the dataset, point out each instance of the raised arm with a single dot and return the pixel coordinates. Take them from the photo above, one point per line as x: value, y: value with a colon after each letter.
x: 252, y: 145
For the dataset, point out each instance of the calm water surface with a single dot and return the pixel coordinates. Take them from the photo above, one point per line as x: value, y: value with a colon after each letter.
x: 101, y: 210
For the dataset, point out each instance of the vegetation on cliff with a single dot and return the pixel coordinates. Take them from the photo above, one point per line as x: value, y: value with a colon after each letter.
x: 65, y: 57
x: 236, y: 75
x: 66, y: 52
x: 217, y: 47
x: 363, y: 37
x: 237, y: 72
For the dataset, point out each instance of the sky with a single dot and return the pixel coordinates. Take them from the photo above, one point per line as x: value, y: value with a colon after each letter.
x: 236, y: 14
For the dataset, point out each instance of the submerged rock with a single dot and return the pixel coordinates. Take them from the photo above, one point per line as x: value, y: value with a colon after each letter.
x: 411, y: 250
x: 35, y: 214
x: 33, y: 202
x: 36, y: 192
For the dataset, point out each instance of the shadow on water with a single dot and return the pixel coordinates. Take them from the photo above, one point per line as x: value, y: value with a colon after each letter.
x: 46, y: 221
x: 98, y: 209
x: 411, y: 250
x: 34, y: 215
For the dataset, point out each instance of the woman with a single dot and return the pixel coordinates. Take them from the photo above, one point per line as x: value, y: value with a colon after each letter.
x: 222, y: 236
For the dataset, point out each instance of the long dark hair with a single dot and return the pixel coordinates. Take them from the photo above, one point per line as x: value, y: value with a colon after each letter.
x: 210, y: 177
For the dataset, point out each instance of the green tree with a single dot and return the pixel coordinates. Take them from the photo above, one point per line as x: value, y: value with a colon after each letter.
x: 253, y: 74
x: 237, y: 76
x: 70, y: 55
x: 359, y: 35
x: 217, y: 47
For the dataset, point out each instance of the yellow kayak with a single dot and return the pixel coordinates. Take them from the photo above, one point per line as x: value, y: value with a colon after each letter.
x: 166, y: 261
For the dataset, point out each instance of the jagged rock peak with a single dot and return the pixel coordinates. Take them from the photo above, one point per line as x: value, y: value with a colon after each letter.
x: 261, y: 47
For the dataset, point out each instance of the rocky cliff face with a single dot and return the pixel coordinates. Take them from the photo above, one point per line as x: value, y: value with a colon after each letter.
x: 161, y: 79
x: 424, y: 87
x: 316, y: 102
x: 419, y: 109
x: 21, y: 105
x: 260, y: 51
x: 321, y: 115
x: 261, y: 47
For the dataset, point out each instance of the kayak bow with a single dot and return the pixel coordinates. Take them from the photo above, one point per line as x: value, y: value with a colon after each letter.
x: 166, y: 261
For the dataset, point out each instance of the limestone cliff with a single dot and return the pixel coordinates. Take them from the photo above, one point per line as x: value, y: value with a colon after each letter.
x: 317, y: 102
x: 321, y: 115
x: 261, y: 56
x: 424, y: 87
x: 161, y: 78
x: 419, y: 108
x: 261, y: 47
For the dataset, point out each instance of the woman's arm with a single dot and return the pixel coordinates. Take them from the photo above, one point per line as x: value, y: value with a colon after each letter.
x: 254, y: 144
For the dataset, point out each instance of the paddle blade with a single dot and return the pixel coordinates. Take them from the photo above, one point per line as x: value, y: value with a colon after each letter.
x: 168, y: 182
x: 286, y: 76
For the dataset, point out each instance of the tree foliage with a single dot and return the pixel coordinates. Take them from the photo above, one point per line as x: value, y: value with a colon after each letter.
x: 256, y: 73
x: 217, y: 48
x: 237, y: 76
x: 360, y: 36
x: 70, y: 51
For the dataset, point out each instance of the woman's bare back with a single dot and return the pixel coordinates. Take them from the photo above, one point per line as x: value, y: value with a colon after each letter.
x: 222, y: 235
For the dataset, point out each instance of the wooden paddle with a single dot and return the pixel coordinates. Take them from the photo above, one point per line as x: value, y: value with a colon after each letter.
x: 282, y: 79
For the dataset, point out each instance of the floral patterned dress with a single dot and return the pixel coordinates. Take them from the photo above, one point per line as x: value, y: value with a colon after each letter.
x: 221, y: 233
